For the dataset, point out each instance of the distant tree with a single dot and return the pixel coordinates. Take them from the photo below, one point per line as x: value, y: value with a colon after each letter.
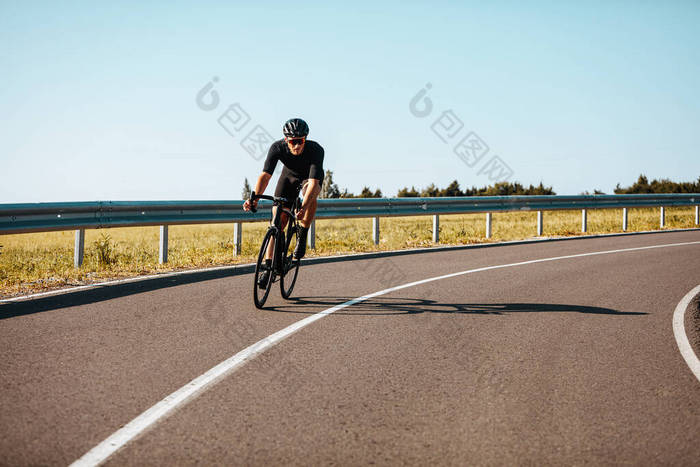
x: 539, y: 190
x: 640, y: 186
x: 430, y: 191
x: 502, y: 189
x: 367, y: 193
x: 452, y: 190
x: 246, y: 189
x: 473, y: 191
x: 346, y: 194
x: 406, y: 193
x: 595, y: 192
x: 663, y: 185
x: 329, y: 189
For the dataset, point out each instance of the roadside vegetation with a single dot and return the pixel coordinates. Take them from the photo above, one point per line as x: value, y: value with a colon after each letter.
x: 41, y: 261
x: 642, y: 185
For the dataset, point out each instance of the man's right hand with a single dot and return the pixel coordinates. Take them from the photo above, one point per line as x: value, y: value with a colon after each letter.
x: 247, y: 205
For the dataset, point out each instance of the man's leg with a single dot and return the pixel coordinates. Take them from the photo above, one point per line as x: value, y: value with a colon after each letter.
x: 283, y: 221
x: 307, y: 218
x: 313, y: 203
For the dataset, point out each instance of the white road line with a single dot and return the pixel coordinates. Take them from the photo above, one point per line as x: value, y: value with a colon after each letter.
x: 679, y: 332
x: 165, y: 407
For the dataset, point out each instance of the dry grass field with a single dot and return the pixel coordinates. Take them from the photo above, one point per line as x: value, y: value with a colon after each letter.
x: 40, y: 261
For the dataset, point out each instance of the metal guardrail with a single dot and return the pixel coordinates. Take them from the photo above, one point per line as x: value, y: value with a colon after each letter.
x: 43, y: 217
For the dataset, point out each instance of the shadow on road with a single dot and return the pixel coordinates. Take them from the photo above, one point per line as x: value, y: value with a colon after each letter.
x: 407, y: 306
x: 109, y: 292
x: 304, y: 305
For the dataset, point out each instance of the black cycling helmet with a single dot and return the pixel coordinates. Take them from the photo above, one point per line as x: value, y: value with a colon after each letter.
x: 295, y: 128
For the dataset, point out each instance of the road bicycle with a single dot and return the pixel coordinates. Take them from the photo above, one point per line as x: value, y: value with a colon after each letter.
x: 284, y: 267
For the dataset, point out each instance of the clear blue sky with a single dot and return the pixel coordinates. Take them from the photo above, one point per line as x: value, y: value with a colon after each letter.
x: 98, y: 99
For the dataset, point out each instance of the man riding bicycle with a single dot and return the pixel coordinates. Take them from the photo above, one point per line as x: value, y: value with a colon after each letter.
x: 302, y: 172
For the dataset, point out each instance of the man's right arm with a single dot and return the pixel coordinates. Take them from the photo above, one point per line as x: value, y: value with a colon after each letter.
x: 268, y: 169
x: 264, y: 178
x: 260, y: 186
x: 262, y: 182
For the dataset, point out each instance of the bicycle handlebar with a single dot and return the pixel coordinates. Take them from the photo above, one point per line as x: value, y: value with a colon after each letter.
x: 274, y: 199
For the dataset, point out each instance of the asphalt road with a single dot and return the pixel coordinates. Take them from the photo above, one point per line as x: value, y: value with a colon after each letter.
x: 560, y: 362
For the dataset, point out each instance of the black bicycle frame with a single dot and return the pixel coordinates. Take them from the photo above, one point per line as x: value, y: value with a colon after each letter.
x: 276, y: 224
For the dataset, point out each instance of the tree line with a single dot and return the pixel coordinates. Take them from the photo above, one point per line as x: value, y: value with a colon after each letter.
x: 329, y: 189
x: 498, y: 189
x: 663, y: 185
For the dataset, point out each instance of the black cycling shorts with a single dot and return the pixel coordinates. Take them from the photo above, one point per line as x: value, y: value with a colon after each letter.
x: 288, y: 186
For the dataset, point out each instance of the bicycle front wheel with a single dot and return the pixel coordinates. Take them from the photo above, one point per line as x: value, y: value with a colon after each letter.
x: 289, y: 263
x: 260, y: 293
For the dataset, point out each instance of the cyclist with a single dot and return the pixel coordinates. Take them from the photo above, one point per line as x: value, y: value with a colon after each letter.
x: 302, y: 172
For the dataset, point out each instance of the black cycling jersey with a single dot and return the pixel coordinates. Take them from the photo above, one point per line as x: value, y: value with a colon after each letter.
x: 308, y: 164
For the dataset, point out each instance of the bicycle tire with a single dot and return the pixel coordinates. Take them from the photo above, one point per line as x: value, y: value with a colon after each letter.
x: 259, y: 267
x: 289, y: 263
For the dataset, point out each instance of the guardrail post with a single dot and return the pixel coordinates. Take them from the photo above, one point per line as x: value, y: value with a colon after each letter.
x: 79, y: 250
x: 539, y: 223
x: 697, y: 215
x: 488, y: 225
x: 662, y: 217
x: 375, y: 230
x: 584, y: 221
x: 163, y: 245
x: 436, y: 228
x: 237, y: 238
x: 624, y: 219
x: 311, y: 236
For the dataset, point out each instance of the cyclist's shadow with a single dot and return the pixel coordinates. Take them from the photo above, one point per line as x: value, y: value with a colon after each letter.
x: 386, y: 306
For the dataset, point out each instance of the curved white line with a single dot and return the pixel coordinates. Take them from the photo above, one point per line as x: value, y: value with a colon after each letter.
x: 679, y: 332
x: 134, y: 428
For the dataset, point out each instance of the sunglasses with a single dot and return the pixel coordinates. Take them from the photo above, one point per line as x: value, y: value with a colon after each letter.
x: 295, y: 141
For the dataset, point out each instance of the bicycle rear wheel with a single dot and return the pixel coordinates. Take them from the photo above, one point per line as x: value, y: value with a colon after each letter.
x: 259, y: 293
x: 289, y: 263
